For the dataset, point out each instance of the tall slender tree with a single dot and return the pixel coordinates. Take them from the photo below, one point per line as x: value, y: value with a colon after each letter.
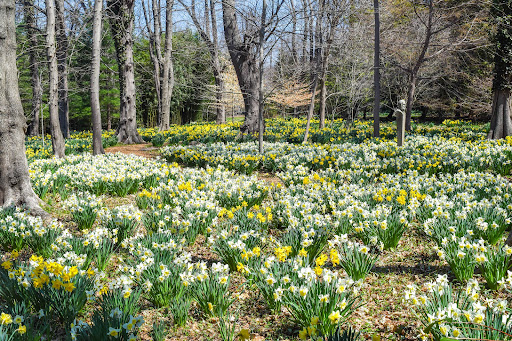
x: 167, y: 68
x: 15, y: 187
x: 376, y: 71
x: 155, y: 50
x: 327, y: 21
x: 62, y: 66
x: 162, y: 62
x: 35, y: 80
x: 97, y: 144
x: 53, y: 104
x: 121, y: 17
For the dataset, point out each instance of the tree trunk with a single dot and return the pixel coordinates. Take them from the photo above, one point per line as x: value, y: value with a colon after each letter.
x: 53, y: 104
x: 246, y: 66
x: 311, y: 109
x: 97, y: 143
x: 323, y: 99
x: 410, y: 99
x: 501, y: 123
x: 155, y: 50
x: 261, y: 59
x: 217, y: 66
x: 121, y: 23
x: 35, y: 81
x: 376, y: 72
x: 167, y: 69
x: 111, y: 84
x: 15, y: 187
x: 293, y: 13
x: 219, y: 96
x: 62, y: 56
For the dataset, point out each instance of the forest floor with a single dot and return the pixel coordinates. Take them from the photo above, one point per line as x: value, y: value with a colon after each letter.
x: 143, y: 149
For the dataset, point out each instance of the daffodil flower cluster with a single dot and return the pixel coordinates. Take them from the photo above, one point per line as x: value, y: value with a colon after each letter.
x: 19, y: 228
x: 116, y: 174
x: 355, y: 258
x: 427, y: 155
x: 209, y: 287
x: 446, y: 312
x: 84, y: 208
x: 121, y: 220
x: 53, y: 285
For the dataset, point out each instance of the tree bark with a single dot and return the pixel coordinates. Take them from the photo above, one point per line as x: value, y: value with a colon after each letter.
x: 411, y: 91
x: 323, y: 99
x: 35, y: 80
x: 97, y: 143
x: 219, y: 97
x: 155, y: 50
x: 121, y: 23
x: 111, y: 85
x: 62, y: 56
x: 53, y: 104
x: 245, y: 63
x: 501, y: 123
x: 217, y: 66
x: 311, y: 108
x: 261, y: 59
x: 15, y: 187
x: 167, y: 68
x: 376, y: 72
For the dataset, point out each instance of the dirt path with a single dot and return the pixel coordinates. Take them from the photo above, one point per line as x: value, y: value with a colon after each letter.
x: 143, y: 149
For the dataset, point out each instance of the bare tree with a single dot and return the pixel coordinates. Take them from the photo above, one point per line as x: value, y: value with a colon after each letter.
x: 155, y: 50
x: 434, y: 28
x: 328, y: 14
x: 15, y: 187
x: 209, y: 34
x: 35, y: 80
x: 53, y: 104
x: 261, y: 60
x: 167, y: 68
x: 121, y: 18
x: 62, y: 60
x: 243, y: 49
x: 376, y: 72
x: 162, y: 63
x: 97, y: 144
